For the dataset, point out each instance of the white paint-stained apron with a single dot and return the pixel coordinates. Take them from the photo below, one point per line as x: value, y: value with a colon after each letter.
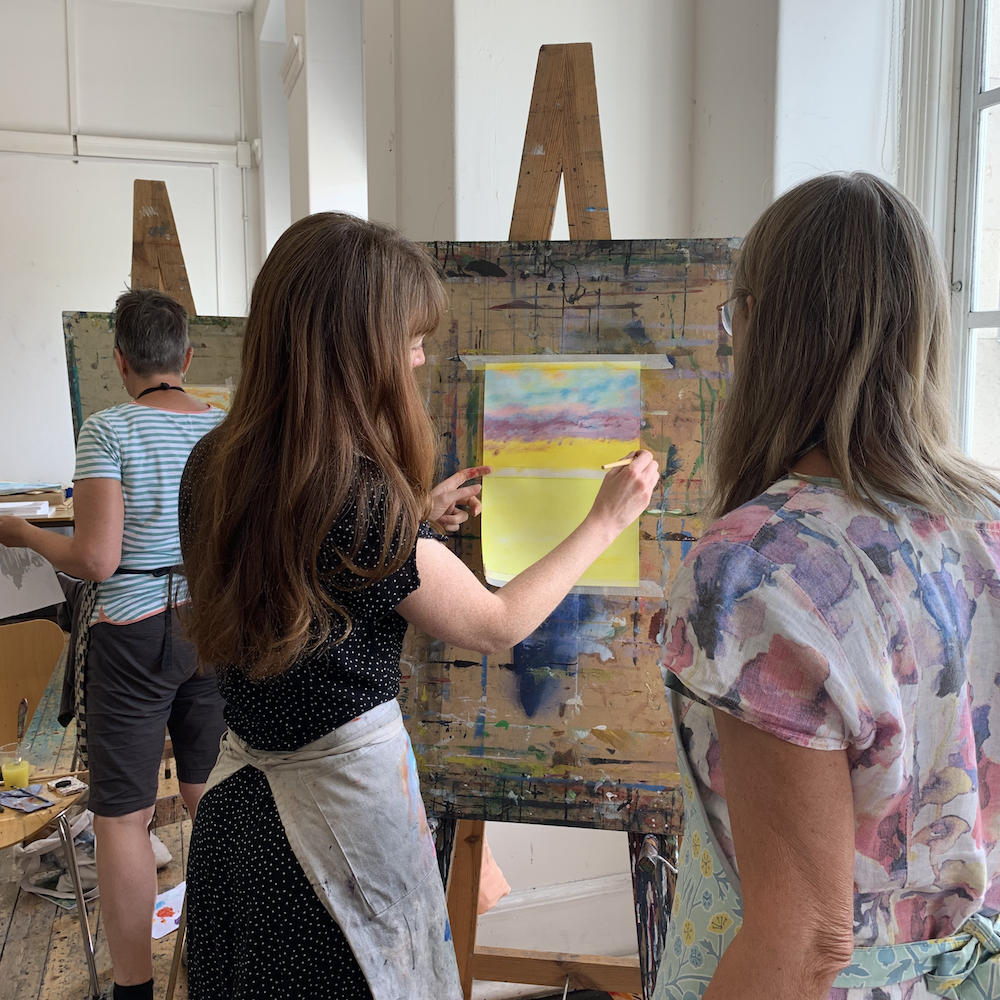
x: 351, y: 808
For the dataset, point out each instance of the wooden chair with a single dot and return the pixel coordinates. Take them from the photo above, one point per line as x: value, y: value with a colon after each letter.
x: 29, y: 652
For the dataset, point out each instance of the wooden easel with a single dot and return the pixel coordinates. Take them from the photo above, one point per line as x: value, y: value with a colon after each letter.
x: 562, y: 139
x: 157, y: 259
x: 158, y: 262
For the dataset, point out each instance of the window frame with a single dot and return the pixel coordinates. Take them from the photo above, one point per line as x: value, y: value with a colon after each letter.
x: 973, y: 100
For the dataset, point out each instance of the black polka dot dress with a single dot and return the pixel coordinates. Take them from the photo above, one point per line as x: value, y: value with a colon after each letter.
x: 256, y: 928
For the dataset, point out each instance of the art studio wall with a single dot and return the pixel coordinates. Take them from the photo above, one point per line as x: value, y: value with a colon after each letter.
x: 707, y: 108
x: 169, y: 112
x: 838, y: 88
x: 644, y: 63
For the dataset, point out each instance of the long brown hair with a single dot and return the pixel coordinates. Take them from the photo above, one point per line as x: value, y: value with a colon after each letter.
x: 327, y: 411
x: 847, y: 347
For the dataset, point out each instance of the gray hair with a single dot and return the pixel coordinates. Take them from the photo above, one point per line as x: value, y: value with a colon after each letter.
x: 151, y: 331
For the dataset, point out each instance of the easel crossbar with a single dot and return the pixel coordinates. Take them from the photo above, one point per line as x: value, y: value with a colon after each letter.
x: 550, y: 968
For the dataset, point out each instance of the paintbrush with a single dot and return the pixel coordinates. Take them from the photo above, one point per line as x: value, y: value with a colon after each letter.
x: 37, y: 779
x: 620, y: 464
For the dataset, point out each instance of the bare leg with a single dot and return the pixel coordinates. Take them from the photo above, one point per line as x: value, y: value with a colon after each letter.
x: 191, y: 794
x: 126, y: 873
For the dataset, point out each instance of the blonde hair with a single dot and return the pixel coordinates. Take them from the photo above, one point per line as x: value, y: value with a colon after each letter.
x: 847, y: 347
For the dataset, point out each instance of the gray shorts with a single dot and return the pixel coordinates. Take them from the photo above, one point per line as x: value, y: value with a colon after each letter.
x: 132, y: 701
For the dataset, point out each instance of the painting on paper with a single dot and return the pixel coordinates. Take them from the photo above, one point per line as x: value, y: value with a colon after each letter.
x: 547, y: 430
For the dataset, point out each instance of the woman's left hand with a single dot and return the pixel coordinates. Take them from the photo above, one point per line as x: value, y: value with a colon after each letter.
x: 12, y: 531
x: 450, y: 493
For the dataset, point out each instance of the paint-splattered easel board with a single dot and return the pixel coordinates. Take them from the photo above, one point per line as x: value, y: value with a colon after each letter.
x: 571, y: 726
x: 94, y: 382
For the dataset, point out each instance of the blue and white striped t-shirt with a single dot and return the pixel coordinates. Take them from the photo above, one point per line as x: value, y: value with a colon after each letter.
x: 146, y: 448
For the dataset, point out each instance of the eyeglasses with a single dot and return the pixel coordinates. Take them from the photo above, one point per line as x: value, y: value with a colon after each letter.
x: 727, y: 317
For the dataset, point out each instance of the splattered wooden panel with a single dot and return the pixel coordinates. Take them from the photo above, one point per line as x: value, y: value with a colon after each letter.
x: 94, y: 382
x: 571, y: 726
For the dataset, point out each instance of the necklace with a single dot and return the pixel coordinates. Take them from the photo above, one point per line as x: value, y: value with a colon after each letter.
x: 157, y: 388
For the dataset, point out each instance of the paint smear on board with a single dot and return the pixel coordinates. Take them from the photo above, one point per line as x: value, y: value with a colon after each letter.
x: 543, y: 660
x: 547, y: 430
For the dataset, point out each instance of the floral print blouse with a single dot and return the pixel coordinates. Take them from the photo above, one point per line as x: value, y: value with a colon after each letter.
x: 830, y: 627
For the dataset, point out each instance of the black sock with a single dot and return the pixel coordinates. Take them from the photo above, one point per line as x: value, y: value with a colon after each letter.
x: 144, y: 991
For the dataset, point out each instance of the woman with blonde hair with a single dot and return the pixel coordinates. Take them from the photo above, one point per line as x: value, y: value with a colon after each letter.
x: 831, y: 653
x: 303, y: 522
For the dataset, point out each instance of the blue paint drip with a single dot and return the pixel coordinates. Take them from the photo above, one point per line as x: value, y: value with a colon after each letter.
x: 685, y: 546
x: 553, y: 647
x: 478, y: 750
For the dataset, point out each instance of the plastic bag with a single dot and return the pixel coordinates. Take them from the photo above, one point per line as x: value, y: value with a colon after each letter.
x: 44, y: 866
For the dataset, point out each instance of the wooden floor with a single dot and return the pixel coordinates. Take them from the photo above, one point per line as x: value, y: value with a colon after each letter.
x: 41, y: 950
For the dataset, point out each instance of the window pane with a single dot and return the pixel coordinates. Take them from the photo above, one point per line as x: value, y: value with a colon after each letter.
x: 991, y: 46
x: 986, y: 411
x: 986, y: 252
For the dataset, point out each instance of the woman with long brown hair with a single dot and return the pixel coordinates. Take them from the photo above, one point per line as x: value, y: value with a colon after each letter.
x: 831, y: 653
x: 312, y: 869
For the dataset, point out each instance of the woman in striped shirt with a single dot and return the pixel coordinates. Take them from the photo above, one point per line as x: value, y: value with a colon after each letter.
x: 141, y: 676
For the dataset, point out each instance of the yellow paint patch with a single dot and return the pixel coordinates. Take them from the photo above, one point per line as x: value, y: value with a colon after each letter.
x: 526, y: 518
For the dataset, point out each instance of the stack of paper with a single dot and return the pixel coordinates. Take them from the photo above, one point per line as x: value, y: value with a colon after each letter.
x: 31, y: 492
x: 25, y: 509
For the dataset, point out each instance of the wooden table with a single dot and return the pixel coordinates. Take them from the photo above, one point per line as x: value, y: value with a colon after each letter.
x: 60, y: 516
x: 16, y: 827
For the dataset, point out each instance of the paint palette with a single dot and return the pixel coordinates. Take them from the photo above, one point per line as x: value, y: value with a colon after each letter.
x: 167, y: 911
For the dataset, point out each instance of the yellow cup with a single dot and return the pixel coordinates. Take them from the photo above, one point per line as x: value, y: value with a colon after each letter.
x: 14, y: 764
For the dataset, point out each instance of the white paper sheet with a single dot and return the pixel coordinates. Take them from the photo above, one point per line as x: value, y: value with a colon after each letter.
x: 27, y: 582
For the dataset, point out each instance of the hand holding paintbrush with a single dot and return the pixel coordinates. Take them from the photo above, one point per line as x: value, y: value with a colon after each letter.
x: 623, y: 463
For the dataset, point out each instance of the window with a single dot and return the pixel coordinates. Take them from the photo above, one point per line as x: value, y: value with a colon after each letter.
x: 976, y: 271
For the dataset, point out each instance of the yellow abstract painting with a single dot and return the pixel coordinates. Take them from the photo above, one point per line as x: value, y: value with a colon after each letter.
x: 547, y: 430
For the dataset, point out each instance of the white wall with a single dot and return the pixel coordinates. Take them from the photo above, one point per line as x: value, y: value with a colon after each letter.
x: 425, y: 107
x: 276, y: 207
x: 571, y: 891
x: 326, y: 141
x: 66, y: 221
x: 838, y: 77
x: 644, y: 65
x: 732, y: 176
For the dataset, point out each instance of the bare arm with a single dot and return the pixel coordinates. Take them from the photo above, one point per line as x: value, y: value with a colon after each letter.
x: 792, y: 814
x: 451, y: 604
x: 94, y: 550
